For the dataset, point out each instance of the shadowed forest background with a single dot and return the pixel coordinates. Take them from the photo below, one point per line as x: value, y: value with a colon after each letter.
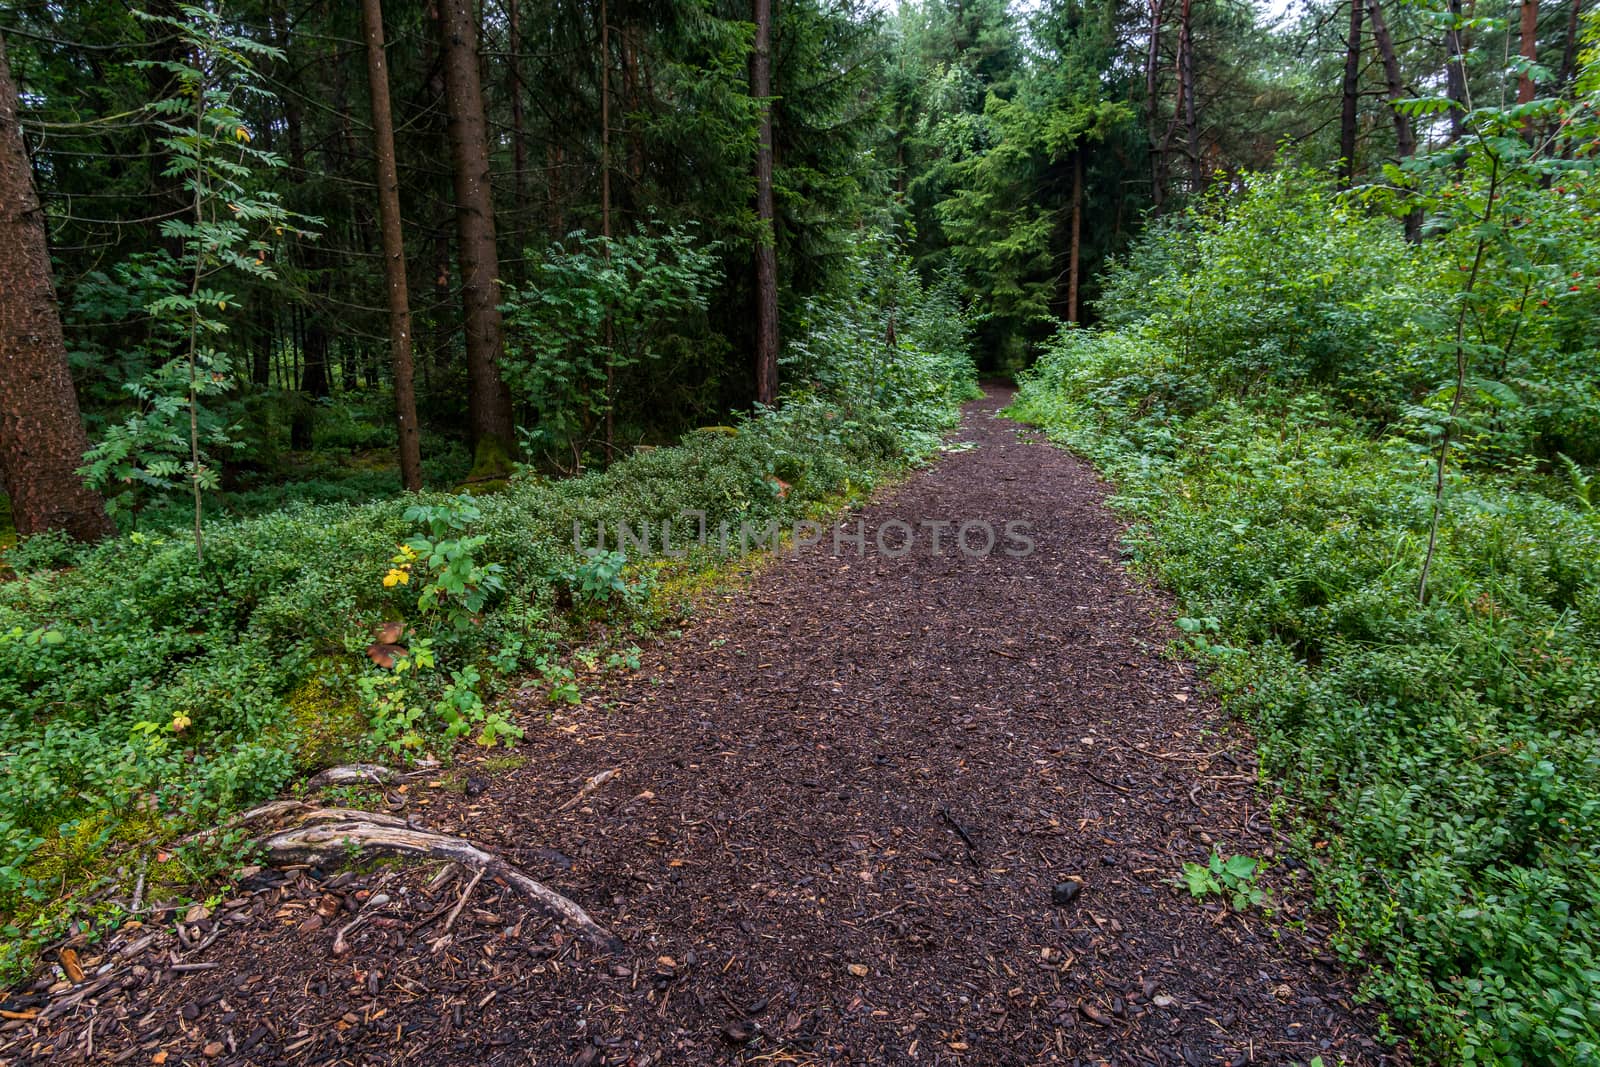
x: 321, y: 324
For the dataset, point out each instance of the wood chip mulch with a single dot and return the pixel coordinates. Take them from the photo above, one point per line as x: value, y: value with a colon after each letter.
x: 868, y: 810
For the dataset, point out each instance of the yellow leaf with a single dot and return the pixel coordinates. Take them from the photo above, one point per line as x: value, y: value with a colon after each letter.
x: 180, y: 722
x: 242, y: 134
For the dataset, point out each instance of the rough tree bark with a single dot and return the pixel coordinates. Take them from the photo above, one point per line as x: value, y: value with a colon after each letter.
x: 1152, y: 88
x: 313, y: 347
x: 1077, y: 235
x: 634, y: 103
x: 1455, y: 72
x: 1405, y: 136
x: 1530, y: 51
x: 605, y: 212
x: 1186, y: 93
x: 489, y: 401
x: 394, y: 248
x: 1351, y: 97
x: 1569, y: 49
x: 519, y: 134
x: 41, y: 434
x: 766, y: 244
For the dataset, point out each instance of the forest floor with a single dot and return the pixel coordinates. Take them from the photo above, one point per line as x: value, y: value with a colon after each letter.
x: 852, y: 800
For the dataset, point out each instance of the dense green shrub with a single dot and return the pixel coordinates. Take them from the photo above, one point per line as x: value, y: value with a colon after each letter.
x: 1442, y: 758
x: 139, y: 687
x: 1284, y: 284
x: 886, y: 340
x: 1450, y: 753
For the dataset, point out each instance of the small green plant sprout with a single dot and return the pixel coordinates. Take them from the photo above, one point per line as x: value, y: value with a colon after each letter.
x: 391, y: 698
x: 1198, y: 629
x: 598, y: 579
x: 456, y: 584
x: 463, y: 710
x: 563, y: 684
x: 1585, y: 487
x: 624, y: 659
x: 1233, y: 878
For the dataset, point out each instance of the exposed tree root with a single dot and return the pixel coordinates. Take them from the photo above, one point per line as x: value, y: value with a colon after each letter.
x: 274, y: 810
x: 324, y: 835
x: 353, y: 774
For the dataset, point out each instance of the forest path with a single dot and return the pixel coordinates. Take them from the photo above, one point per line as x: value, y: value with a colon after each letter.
x: 847, y: 795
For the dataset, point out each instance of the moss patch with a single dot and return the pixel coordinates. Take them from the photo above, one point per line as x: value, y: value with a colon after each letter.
x: 325, y: 725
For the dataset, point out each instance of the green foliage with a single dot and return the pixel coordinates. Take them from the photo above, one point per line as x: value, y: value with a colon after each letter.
x: 453, y: 583
x: 887, y: 342
x: 228, y: 227
x: 1001, y: 229
x: 135, y: 680
x: 1284, y: 284
x: 593, y: 307
x: 1233, y: 878
x: 1267, y: 424
x: 598, y: 578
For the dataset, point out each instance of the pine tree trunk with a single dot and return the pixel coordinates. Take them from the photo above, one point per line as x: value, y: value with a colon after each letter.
x: 1351, y: 98
x: 605, y: 210
x: 394, y: 248
x: 492, y: 430
x: 261, y: 354
x: 1569, y: 49
x: 41, y: 434
x: 311, y: 380
x: 634, y: 103
x: 1405, y: 137
x: 766, y: 245
x: 1152, y: 90
x: 1077, y: 235
x: 1530, y: 51
x: 1455, y: 72
x: 555, y: 160
x: 519, y: 139
x: 1186, y: 91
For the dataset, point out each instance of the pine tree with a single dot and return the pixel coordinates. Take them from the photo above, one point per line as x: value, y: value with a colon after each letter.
x: 42, y: 441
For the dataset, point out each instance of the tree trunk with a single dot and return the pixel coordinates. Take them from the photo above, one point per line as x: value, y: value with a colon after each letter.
x: 41, y: 434
x: 1569, y: 49
x: 634, y: 103
x: 1405, y: 137
x: 394, y: 248
x: 1530, y: 52
x: 489, y: 401
x: 1352, y: 96
x: 1455, y: 72
x: 605, y: 209
x: 312, y: 379
x: 261, y: 353
x: 1191, y: 116
x: 766, y: 241
x: 519, y: 139
x: 1152, y: 89
x: 169, y: 199
x: 1077, y: 234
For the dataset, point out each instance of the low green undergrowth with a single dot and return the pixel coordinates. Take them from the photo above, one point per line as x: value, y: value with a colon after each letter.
x: 1439, y: 756
x: 136, y: 683
x: 144, y: 694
